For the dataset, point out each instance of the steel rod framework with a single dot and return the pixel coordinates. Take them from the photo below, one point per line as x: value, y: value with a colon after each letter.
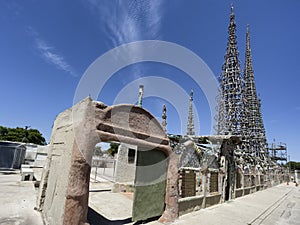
x: 239, y: 107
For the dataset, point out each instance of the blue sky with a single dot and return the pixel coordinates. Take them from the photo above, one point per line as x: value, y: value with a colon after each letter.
x: 46, y: 46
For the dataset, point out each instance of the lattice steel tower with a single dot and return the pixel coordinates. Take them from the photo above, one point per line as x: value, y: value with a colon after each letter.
x: 230, y: 104
x: 190, y: 125
x: 250, y: 100
x: 261, y: 131
x: 255, y: 130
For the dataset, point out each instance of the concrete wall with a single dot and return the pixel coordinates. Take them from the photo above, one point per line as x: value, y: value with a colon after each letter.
x: 31, y: 152
x: 64, y: 188
x: 41, y: 156
x: 125, y: 171
x: 212, y: 200
x: 207, y: 199
x: 55, y: 178
x: 62, y: 141
x: 190, y: 204
x: 239, y: 193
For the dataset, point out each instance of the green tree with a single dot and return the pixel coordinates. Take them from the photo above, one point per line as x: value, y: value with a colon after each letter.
x: 98, y: 151
x: 113, y: 149
x: 293, y: 165
x: 19, y: 134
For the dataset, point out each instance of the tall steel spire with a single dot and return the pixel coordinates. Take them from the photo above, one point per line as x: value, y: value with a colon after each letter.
x: 190, y: 125
x: 230, y: 104
x: 261, y: 131
x: 250, y: 99
x: 255, y: 128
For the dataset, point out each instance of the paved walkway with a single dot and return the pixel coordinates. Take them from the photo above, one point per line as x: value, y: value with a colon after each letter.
x: 18, y: 199
x: 278, y: 205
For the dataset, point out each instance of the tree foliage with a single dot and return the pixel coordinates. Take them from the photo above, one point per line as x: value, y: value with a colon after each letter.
x: 19, y: 134
x: 113, y: 149
x: 293, y: 165
x: 98, y: 151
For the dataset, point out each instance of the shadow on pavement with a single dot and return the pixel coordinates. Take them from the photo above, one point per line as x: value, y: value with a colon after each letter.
x: 95, y: 218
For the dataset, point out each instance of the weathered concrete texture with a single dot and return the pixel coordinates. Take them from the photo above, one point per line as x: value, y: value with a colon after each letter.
x: 212, y: 200
x: 41, y: 156
x: 64, y: 187
x: 43, y: 182
x: 55, y: 180
x: 77, y: 193
x: 130, y: 124
x: 125, y: 170
x: 171, y: 200
x: 190, y: 204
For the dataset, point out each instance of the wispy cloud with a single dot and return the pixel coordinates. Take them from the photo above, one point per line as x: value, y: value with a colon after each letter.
x: 12, y: 7
x: 126, y: 22
x: 48, y: 54
x: 274, y: 121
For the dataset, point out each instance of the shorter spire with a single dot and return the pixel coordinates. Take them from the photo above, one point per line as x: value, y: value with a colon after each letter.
x: 141, y: 94
x: 190, y: 125
x: 248, y: 36
x: 164, y: 118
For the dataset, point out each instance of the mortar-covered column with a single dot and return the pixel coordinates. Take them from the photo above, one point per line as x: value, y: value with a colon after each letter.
x: 85, y: 139
x: 73, y: 139
x: 204, y: 184
x: 172, y: 208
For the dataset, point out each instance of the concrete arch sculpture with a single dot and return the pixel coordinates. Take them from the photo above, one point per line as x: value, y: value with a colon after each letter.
x: 64, y: 188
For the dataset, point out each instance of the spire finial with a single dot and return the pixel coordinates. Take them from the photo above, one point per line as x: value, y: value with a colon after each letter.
x: 232, y: 16
x: 191, y: 94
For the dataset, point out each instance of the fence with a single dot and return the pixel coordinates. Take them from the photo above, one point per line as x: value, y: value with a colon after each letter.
x: 103, y: 168
x: 11, y: 155
x: 199, y: 189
